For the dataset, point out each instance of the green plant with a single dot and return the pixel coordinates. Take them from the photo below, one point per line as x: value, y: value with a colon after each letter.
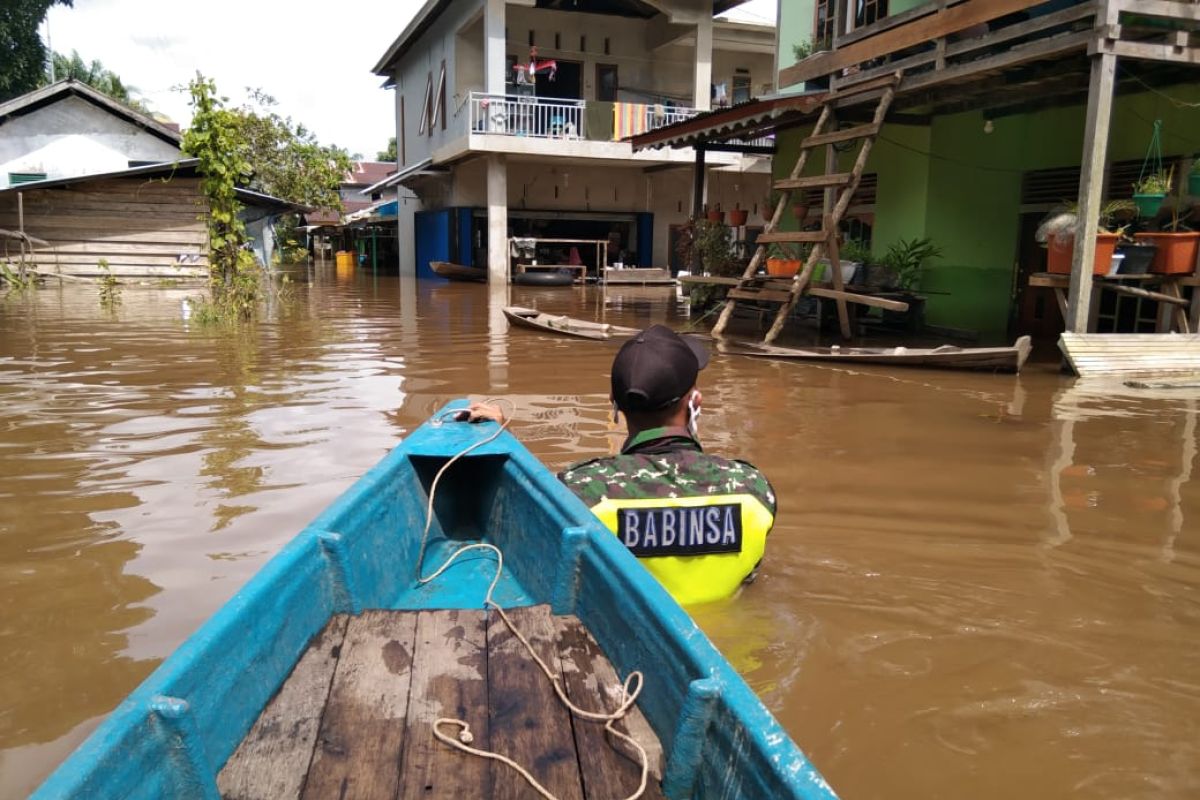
x: 714, y: 245
x: 110, y: 287
x: 1061, y: 223
x: 215, y: 139
x: 855, y: 250
x: 1155, y: 183
x: 907, y: 257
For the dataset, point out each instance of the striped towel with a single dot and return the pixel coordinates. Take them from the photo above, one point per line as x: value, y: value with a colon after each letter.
x: 629, y: 119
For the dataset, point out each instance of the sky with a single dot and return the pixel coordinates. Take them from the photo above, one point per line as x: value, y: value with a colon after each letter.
x: 314, y: 58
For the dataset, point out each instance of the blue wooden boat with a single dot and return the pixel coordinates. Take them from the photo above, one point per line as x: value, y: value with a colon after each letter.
x: 174, y: 734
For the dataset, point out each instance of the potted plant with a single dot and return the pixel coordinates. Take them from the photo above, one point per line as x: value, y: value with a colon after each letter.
x: 1138, y: 257
x: 907, y: 257
x: 712, y: 243
x: 1177, y: 246
x: 1194, y: 178
x: 1057, y: 232
x: 1150, y: 191
x: 737, y: 217
x: 781, y: 263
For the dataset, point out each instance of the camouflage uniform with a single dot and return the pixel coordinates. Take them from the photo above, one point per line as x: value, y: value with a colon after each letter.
x: 664, y: 462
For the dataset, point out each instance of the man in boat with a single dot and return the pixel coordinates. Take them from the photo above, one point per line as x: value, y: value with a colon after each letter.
x: 697, y: 522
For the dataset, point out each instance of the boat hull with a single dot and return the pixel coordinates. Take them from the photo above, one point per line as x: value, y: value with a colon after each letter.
x: 172, y: 735
x: 565, y: 326
x: 996, y: 359
x: 458, y: 272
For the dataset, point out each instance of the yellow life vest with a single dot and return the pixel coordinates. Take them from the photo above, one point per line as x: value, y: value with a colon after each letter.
x: 699, y: 548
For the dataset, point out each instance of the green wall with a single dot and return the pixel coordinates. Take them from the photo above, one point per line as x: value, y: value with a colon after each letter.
x: 966, y: 196
x: 794, y: 25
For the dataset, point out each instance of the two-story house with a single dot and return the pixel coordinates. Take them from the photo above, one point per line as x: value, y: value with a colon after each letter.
x: 511, y: 116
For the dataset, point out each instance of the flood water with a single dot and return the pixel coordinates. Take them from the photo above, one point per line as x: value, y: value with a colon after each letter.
x: 978, y: 586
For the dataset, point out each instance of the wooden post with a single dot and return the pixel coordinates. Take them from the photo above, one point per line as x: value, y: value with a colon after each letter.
x: 1091, y: 183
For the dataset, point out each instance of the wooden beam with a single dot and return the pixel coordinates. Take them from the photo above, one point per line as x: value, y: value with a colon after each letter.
x: 1134, y: 291
x: 941, y: 23
x: 1150, y: 51
x: 1189, y: 12
x: 844, y: 135
x: 861, y: 299
x: 792, y: 237
x: 886, y: 24
x: 1091, y: 188
x: 814, y: 181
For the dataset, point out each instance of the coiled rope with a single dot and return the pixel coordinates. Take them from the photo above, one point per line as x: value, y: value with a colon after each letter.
x: 464, y: 738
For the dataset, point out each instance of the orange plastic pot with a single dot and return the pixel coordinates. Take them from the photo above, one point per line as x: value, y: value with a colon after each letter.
x: 1061, y: 250
x: 783, y: 267
x: 1176, y: 253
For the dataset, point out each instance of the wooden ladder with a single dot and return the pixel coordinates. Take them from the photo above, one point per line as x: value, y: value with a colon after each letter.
x: 824, y: 241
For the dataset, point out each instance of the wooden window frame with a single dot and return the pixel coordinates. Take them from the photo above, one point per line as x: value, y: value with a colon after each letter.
x: 616, y: 82
x: 426, y: 126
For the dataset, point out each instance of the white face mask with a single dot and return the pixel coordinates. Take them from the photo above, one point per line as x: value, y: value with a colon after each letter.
x: 694, y: 414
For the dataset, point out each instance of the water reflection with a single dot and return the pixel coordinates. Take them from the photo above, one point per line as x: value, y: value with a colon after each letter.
x: 978, y: 584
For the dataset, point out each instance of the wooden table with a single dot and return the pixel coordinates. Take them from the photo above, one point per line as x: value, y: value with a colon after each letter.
x: 601, y: 246
x: 1183, y: 315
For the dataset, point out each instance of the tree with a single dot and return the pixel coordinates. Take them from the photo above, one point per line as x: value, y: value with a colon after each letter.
x: 95, y: 75
x: 287, y: 160
x: 22, y: 53
x: 390, y: 153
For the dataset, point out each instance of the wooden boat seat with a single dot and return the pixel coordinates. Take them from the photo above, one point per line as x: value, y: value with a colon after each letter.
x: 354, y: 718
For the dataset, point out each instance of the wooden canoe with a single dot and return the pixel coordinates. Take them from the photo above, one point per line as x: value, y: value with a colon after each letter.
x: 564, y: 325
x: 458, y: 272
x: 318, y: 675
x: 998, y: 359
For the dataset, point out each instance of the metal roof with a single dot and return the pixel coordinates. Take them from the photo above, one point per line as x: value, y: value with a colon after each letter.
x: 746, y: 120
x: 47, y: 95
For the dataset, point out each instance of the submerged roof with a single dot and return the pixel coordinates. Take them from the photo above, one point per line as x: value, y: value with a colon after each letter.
x: 183, y: 168
x: 61, y: 90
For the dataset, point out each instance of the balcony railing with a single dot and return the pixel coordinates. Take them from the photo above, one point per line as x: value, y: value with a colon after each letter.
x: 515, y: 115
x: 551, y: 118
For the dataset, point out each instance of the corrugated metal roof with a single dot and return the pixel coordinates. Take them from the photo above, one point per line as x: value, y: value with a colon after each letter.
x: 745, y: 120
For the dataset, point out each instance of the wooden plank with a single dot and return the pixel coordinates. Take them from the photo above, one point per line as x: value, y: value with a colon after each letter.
x: 794, y: 237
x: 362, y: 732
x: 861, y: 299
x: 449, y: 679
x: 765, y: 295
x: 273, y: 759
x: 1044, y: 49
x: 90, y: 247
x: 1133, y: 291
x: 592, y: 684
x: 854, y: 85
x: 887, y: 23
x: 107, y: 221
x: 53, y: 235
x: 1162, y: 8
x: 527, y: 722
x: 1151, y: 51
x: 844, y: 135
x: 814, y: 181
x: 942, y: 23
x: 113, y: 258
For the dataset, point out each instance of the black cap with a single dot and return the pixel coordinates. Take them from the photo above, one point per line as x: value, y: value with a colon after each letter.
x: 655, y: 368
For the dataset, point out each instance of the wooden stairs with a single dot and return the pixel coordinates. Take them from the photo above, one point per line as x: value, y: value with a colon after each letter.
x: 842, y: 185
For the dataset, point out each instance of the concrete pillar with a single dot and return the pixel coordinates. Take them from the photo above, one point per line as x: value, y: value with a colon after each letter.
x: 406, y: 209
x: 497, y: 199
x: 703, y: 66
x: 493, y: 47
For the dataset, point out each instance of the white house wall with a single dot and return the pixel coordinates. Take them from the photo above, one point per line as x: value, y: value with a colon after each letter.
x: 74, y: 137
x: 417, y: 67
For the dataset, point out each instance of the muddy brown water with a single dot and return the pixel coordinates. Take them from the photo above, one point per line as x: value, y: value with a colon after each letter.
x: 979, y: 585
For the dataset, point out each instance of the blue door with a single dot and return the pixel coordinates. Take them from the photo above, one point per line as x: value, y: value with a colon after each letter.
x: 433, y: 240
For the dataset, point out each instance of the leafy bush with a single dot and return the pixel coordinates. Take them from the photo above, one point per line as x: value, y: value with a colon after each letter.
x: 907, y: 257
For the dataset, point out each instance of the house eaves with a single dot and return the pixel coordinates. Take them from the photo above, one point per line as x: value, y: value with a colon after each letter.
x: 48, y: 95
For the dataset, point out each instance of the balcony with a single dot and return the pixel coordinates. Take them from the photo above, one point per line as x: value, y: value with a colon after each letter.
x: 552, y: 118
x: 955, y: 52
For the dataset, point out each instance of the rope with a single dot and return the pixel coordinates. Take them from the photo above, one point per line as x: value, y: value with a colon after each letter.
x: 465, y: 737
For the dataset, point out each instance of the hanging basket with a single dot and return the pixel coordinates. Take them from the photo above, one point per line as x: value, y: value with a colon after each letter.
x: 716, y: 216
x: 737, y: 217
x: 1148, y: 204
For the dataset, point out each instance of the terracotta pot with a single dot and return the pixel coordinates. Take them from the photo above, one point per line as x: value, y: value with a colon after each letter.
x: 715, y: 216
x: 1062, y: 250
x: 1176, y: 252
x: 737, y: 217
x: 783, y: 267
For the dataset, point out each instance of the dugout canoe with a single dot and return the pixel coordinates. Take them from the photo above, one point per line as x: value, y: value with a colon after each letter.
x: 996, y: 359
x: 564, y: 325
x: 458, y: 272
x: 326, y: 599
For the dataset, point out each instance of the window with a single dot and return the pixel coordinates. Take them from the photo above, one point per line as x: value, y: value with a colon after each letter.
x: 440, y: 109
x: 823, y: 23
x: 868, y: 11
x: 606, y: 82
x: 427, y: 110
x: 17, y: 178
x: 741, y: 86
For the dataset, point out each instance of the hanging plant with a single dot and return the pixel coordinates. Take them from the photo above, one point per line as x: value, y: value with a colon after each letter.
x: 1153, y: 184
